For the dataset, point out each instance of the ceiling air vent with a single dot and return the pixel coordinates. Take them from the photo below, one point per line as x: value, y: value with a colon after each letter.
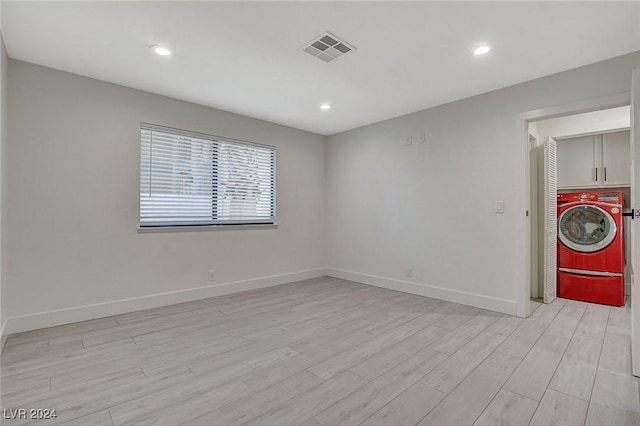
x: 327, y: 47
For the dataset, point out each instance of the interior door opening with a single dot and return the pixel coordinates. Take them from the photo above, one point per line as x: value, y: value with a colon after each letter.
x: 593, y: 155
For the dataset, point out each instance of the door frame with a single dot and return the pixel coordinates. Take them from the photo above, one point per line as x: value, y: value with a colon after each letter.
x: 533, y: 219
x: 523, y: 307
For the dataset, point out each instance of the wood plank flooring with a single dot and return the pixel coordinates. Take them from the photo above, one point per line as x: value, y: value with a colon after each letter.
x: 328, y: 352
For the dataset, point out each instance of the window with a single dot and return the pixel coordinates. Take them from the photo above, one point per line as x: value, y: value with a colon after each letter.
x: 189, y: 179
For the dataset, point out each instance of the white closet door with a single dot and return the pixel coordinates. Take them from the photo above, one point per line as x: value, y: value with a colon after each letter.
x: 550, y: 221
x: 635, y: 223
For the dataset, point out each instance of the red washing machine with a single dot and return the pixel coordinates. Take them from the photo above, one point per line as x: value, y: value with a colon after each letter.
x: 591, y: 247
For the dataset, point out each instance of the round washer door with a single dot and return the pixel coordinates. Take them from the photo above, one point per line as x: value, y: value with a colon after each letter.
x: 586, y: 228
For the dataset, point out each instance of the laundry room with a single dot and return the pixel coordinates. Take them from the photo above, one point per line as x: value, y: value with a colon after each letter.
x: 580, y: 193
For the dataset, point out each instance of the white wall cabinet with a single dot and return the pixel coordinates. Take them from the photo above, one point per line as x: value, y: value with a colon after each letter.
x: 616, y: 159
x: 594, y: 161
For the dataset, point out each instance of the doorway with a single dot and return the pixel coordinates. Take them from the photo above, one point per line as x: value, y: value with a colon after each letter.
x: 593, y: 154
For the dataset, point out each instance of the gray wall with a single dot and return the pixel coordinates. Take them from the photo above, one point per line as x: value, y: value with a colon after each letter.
x: 3, y: 141
x: 430, y: 206
x: 71, y: 205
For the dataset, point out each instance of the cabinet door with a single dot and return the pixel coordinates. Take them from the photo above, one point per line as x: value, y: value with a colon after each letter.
x: 576, y: 163
x: 616, y: 158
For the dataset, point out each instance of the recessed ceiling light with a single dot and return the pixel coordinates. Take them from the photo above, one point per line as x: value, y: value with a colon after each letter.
x: 325, y: 107
x: 161, y: 50
x: 482, y: 49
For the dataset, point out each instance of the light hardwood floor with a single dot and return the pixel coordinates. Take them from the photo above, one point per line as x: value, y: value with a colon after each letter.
x: 329, y: 352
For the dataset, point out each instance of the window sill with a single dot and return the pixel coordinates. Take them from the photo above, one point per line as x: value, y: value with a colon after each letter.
x: 162, y: 229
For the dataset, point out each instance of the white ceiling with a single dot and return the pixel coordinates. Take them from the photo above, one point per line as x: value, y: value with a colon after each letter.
x: 244, y: 57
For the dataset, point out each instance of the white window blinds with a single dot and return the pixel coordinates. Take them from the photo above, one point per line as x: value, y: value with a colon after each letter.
x: 194, y: 179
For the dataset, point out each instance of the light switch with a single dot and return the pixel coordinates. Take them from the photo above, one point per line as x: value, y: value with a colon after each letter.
x: 499, y: 207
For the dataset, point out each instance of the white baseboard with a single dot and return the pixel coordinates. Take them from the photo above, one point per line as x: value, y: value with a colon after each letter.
x: 100, y: 310
x: 476, y: 300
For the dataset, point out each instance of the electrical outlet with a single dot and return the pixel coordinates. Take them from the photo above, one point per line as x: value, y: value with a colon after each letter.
x: 212, y: 275
x: 409, y: 271
x: 422, y: 137
x: 409, y: 140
